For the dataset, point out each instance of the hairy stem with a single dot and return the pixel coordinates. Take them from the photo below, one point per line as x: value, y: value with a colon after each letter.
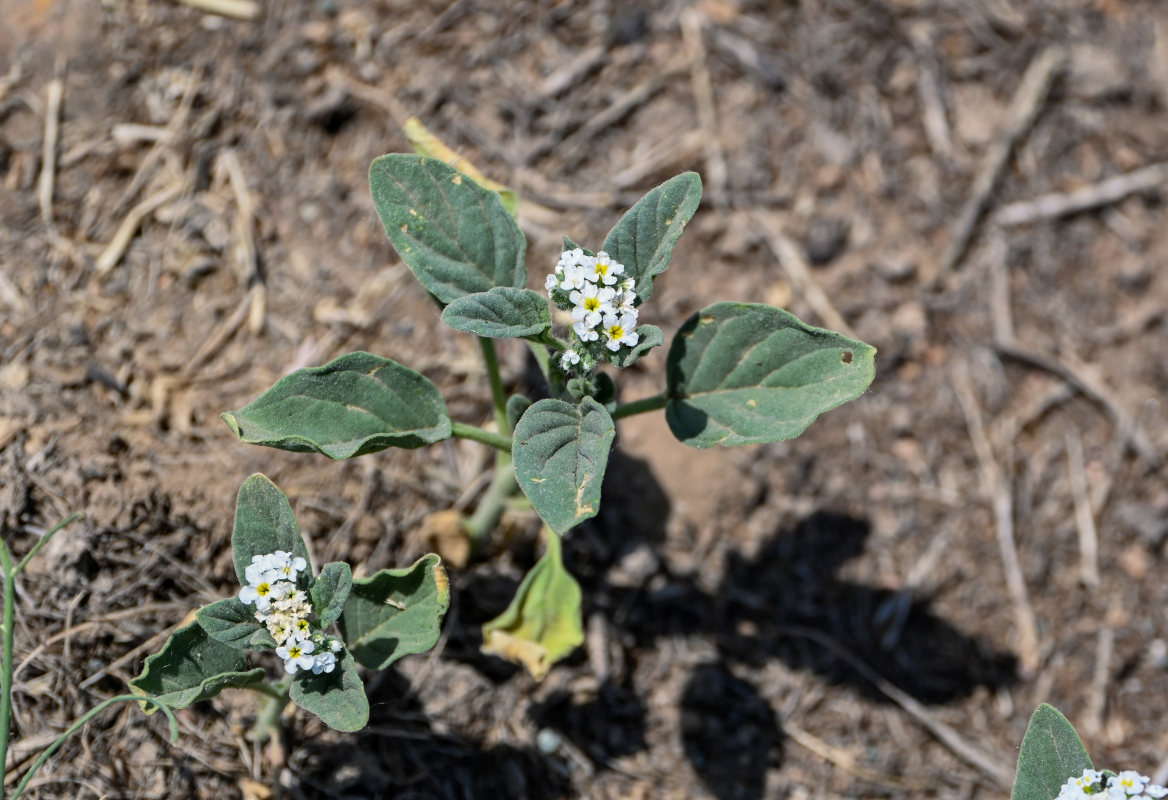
x: 276, y: 700
x: 497, y: 393
x: 6, y: 667
x: 641, y: 406
x: 495, y: 440
x: 490, y: 509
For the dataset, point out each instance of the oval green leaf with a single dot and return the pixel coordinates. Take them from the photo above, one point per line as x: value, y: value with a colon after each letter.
x: 1051, y: 752
x: 744, y: 373
x: 337, y: 697
x: 329, y: 591
x: 650, y: 337
x: 356, y: 404
x: 264, y: 523
x: 190, y: 667
x: 502, y: 312
x: 561, y: 451
x: 454, y: 235
x: 233, y: 623
x: 542, y: 625
x: 396, y: 612
x: 644, y: 238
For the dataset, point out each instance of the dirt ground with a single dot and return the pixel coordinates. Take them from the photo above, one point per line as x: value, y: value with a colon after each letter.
x: 871, y: 610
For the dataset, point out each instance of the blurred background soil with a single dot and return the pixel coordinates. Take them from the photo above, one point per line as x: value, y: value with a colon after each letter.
x: 871, y: 610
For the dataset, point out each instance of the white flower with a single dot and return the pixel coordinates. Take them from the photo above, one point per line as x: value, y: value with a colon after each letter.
x: 619, y: 330
x: 585, y: 333
x: 605, y: 270
x: 1155, y: 790
x: 570, y: 258
x: 323, y: 662
x: 568, y: 358
x: 628, y: 284
x: 1130, y: 782
x: 296, y: 656
x: 627, y: 299
x: 574, y: 278
x: 301, y: 629
x: 335, y: 645
x: 289, y: 568
x: 591, y: 303
x: 260, y: 593
x: 553, y: 280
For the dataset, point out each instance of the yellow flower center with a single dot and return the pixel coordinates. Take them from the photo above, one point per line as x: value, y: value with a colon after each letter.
x: 601, y: 269
x: 616, y: 332
x: 263, y: 590
x: 294, y: 652
x: 591, y: 303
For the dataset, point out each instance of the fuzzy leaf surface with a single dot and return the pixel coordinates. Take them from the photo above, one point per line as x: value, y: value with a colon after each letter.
x: 1051, y: 752
x: 337, y: 697
x: 233, y: 622
x: 330, y: 590
x: 644, y: 238
x: 396, y: 612
x: 427, y: 144
x: 190, y: 667
x: 650, y: 337
x: 356, y: 404
x: 264, y: 523
x: 502, y: 312
x: 745, y: 373
x: 561, y: 451
x: 543, y: 623
x: 454, y: 235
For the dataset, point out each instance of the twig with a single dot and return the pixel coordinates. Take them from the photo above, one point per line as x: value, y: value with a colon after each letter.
x: 369, y: 94
x: 48, y: 176
x: 847, y: 762
x: 667, y: 152
x: 703, y: 90
x: 239, y: 9
x: 567, y: 76
x: 1097, y: 694
x: 245, y: 246
x: 799, y: 273
x: 1079, y: 376
x: 125, y: 234
x: 233, y: 323
x: 990, y: 765
x: 1097, y: 195
x: 997, y: 489
x: 933, y: 117
x: 1028, y: 101
x: 1084, y: 518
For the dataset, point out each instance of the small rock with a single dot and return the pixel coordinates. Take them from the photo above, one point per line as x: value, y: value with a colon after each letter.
x: 896, y: 269
x: 826, y: 238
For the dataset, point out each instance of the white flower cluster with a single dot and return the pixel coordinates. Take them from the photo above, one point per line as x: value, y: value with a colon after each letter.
x: 286, y: 612
x: 1128, y: 785
x: 603, y: 306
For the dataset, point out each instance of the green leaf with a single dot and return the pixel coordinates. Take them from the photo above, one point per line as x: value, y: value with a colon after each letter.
x: 560, y: 451
x: 644, y: 238
x: 499, y: 313
x: 454, y: 235
x: 337, y: 697
x: 190, y: 667
x: 570, y: 245
x: 329, y: 592
x: 427, y: 144
x: 542, y: 625
x: 744, y: 373
x: 517, y: 404
x: 264, y: 523
x: 233, y: 623
x: 396, y: 612
x: 1051, y: 752
x: 356, y: 404
x: 650, y: 337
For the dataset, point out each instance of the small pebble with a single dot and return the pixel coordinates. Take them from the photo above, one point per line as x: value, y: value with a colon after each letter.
x: 826, y: 238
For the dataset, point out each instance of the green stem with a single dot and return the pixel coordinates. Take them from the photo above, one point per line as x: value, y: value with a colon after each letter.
x: 541, y: 357
x: 497, y: 393
x: 641, y: 406
x: 76, y: 726
x: 549, y: 339
x: 276, y: 701
x: 486, y: 517
x: 6, y: 668
x: 36, y: 548
x: 479, y: 435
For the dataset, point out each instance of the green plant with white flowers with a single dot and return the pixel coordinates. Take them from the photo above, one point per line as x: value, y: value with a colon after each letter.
x: 736, y: 373
x: 1053, y: 765
x: 283, y: 607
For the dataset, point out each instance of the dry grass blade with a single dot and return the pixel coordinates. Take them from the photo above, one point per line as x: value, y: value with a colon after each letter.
x: 1097, y: 195
x: 847, y: 762
x: 1084, y: 518
x: 703, y: 91
x: 997, y: 489
x: 48, y: 176
x: 237, y: 9
x: 112, y: 255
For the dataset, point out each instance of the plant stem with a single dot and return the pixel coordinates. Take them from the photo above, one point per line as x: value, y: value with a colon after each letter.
x: 497, y: 393
x: 641, y: 406
x: 490, y: 508
x: 36, y: 548
x: 6, y: 667
x: 541, y: 357
x: 76, y: 726
x: 479, y: 435
x: 276, y: 700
